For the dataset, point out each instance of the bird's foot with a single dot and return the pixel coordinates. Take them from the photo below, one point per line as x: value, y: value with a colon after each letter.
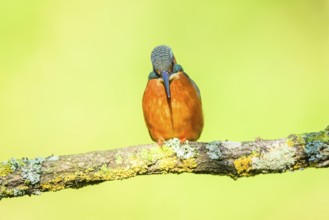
x: 161, y: 141
x: 182, y: 140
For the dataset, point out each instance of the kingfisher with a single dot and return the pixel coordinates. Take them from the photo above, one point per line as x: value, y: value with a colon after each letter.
x: 172, y: 104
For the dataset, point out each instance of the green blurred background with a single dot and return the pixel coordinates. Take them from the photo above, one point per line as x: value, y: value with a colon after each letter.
x: 72, y: 75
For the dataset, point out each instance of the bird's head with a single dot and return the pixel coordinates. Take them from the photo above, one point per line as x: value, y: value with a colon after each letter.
x: 163, y: 61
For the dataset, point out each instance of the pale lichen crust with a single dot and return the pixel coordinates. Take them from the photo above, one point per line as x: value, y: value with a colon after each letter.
x: 278, y: 157
x: 182, y: 150
x: 315, y: 145
x: 31, y: 170
x: 214, y: 150
x: 28, y: 169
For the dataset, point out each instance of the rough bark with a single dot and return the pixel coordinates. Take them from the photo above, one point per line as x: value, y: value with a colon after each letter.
x: 24, y: 176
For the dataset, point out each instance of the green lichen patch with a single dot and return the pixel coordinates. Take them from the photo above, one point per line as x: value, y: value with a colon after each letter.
x: 20, y: 190
x: 322, y: 136
x: 182, y: 150
x: 295, y: 140
x: 10, y: 166
x: 176, y: 165
x: 303, y: 139
x: 4, y: 192
x: 31, y: 170
x: 168, y: 164
x: 187, y: 165
x: 214, y: 150
x: 61, y: 181
x: 56, y: 184
x: 316, y: 146
x: 137, y: 164
x: 5, y: 169
x: 106, y: 173
x: 172, y: 157
x: 317, y: 151
x: 151, y: 155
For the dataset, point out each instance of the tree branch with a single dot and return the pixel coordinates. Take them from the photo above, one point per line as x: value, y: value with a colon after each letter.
x: 20, y: 177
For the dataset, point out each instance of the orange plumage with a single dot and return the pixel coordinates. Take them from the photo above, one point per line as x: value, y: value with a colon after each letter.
x: 174, y: 114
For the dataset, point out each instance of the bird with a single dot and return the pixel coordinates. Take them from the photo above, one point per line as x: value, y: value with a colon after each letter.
x: 172, y: 105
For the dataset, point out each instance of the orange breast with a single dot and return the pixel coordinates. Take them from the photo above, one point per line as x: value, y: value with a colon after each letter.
x: 181, y: 116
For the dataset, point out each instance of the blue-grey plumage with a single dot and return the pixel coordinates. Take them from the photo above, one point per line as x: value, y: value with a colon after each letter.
x: 163, y: 61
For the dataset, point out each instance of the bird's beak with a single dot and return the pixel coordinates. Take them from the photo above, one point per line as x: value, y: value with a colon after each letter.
x: 165, y: 77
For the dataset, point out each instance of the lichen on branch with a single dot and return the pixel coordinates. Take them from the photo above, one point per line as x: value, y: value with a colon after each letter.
x: 25, y: 176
